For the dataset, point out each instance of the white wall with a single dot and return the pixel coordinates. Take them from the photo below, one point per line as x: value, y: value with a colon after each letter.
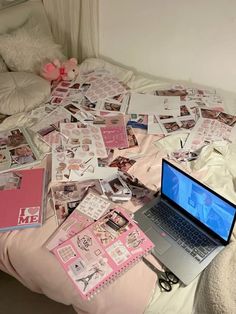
x: 178, y: 39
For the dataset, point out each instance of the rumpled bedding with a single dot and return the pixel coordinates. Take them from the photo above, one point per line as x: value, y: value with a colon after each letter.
x: 23, y: 255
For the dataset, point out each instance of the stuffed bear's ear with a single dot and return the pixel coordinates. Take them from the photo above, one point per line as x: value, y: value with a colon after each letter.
x: 73, y: 60
x: 57, y: 63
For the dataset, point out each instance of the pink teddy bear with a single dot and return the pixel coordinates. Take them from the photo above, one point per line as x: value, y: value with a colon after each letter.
x: 56, y: 71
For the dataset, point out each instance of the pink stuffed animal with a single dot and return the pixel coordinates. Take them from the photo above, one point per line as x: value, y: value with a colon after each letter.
x: 56, y: 71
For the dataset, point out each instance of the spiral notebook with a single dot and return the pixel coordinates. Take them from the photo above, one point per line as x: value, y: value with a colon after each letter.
x: 100, y: 253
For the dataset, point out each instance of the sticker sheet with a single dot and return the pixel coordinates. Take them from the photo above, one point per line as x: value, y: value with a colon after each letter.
x: 87, y: 137
x: 205, y: 132
x: 115, y: 133
x: 104, y: 87
x: 94, y: 206
x: 72, y: 164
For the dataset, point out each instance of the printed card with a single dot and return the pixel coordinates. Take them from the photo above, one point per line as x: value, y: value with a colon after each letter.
x: 89, y: 138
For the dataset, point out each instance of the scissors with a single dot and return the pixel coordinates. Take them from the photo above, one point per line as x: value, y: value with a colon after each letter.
x: 166, y: 278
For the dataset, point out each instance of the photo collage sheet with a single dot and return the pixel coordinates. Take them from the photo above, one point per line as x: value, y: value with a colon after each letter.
x: 82, y: 129
x: 17, y: 149
x: 102, y: 251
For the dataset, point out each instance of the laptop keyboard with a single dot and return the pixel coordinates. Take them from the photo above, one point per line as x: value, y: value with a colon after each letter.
x: 183, y: 232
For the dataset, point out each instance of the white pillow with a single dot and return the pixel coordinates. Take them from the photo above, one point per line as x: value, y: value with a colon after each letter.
x: 20, y: 91
x: 27, y: 48
x: 3, y: 67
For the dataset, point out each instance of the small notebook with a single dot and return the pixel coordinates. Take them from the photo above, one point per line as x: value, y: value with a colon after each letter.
x: 101, y: 252
x: 22, y: 199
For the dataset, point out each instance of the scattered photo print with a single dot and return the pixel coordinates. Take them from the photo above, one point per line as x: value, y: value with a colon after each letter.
x: 10, y: 181
x: 122, y: 163
x: 22, y: 155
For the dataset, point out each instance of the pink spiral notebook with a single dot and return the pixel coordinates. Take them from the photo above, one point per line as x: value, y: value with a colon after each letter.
x: 100, y: 253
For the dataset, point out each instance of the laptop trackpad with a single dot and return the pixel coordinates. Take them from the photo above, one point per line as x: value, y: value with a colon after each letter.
x: 162, y: 245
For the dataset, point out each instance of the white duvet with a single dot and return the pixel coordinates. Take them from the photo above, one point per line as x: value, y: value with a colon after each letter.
x: 23, y: 255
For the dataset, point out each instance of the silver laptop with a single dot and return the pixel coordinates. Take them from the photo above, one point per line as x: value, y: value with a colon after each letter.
x: 188, y: 222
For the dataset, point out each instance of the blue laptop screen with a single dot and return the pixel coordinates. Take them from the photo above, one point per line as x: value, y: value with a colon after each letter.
x: 213, y: 211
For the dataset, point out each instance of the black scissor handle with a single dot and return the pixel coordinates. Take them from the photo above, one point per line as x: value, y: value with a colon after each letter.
x: 171, y: 277
x: 165, y: 284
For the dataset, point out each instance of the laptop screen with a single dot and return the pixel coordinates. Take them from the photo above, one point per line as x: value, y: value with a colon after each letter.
x: 206, y: 206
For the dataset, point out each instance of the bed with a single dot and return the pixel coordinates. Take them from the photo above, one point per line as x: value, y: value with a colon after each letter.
x: 24, y: 256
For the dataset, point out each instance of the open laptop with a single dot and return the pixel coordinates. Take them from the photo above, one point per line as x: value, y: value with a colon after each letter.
x: 188, y: 222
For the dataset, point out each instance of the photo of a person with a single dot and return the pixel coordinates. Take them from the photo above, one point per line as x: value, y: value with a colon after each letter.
x: 210, y: 114
x: 208, y: 211
x: 123, y: 163
x: 2, y: 157
x: 16, y: 138
x: 171, y: 92
x: 117, y: 221
x: 47, y: 130
x: 184, y: 111
x: 111, y: 106
x: 72, y: 108
x: 116, y: 186
x: 227, y: 119
x: 162, y: 117
x: 56, y: 100
x: 87, y: 105
x: 84, y: 87
x: 75, y: 86
x: 187, y: 124
x: 22, y: 155
x: 132, y: 140
x: 171, y: 126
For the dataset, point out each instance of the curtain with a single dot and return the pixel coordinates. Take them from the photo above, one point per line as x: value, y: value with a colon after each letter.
x: 74, y: 25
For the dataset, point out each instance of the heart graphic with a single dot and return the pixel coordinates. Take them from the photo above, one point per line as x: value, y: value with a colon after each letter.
x: 33, y: 210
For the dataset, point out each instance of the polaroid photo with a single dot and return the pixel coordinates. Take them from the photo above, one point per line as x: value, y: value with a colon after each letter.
x: 116, y: 189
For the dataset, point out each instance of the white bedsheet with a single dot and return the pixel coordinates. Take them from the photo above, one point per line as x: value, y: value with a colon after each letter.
x: 23, y: 256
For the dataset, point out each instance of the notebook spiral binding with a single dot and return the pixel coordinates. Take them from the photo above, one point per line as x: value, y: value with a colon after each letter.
x: 116, y: 275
